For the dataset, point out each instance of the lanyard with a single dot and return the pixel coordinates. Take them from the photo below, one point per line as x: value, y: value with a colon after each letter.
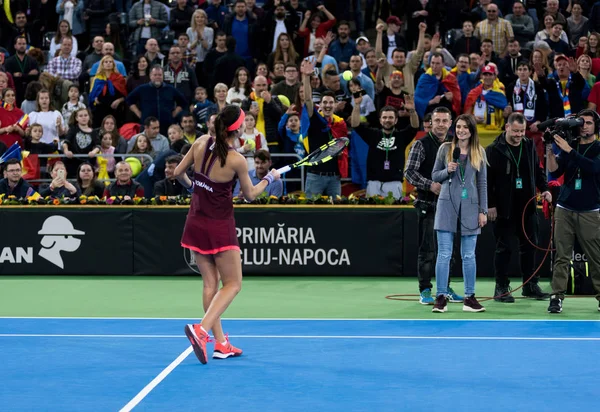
x: 513, y: 156
x: 23, y: 64
x: 462, y: 171
x: 386, y: 146
x: 583, y: 154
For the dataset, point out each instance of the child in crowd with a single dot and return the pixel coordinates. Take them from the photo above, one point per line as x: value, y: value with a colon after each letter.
x: 142, y: 146
x: 250, y: 141
x: 106, y: 148
x: 289, y: 130
x: 175, y: 135
x: 34, y: 145
x: 200, y: 105
x: 366, y: 106
x: 73, y: 104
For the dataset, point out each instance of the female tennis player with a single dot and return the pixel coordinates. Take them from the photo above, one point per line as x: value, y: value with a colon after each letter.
x: 210, y: 227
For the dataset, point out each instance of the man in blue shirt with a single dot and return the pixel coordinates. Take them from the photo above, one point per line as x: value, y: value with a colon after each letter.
x: 343, y: 47
x: 242, y: 26
x: 262, y: 164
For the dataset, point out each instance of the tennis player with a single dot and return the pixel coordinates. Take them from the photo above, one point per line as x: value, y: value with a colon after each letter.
x: 210, y: 227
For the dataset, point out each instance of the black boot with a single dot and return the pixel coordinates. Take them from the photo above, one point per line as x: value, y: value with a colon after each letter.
x: 503, y: 294
x: 533, y: 290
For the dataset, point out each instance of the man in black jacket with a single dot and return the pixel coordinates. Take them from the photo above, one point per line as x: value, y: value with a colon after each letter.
x: 13, y: 184
x: 170, y: 186
x: 513, y: 174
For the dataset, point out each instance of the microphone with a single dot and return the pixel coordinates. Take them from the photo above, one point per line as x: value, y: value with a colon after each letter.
x: 550, y: 122
x: 455, y: 157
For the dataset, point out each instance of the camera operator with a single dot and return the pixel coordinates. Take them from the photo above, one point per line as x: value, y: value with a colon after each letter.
x: 513, y: 174
x: 578, y: 204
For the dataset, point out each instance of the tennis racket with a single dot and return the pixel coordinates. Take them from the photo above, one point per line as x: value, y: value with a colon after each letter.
x: 321, y: 155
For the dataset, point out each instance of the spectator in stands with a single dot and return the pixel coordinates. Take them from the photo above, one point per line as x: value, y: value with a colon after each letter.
x: 181, y: 17
x: 63, y: 31
x: 372, y: 67
x: 12, y: 123
x: 320, y: 58
x: 467, y: 43
x: 437, y: 87
x: 176, y: 139
x: 496, y: 29
x: 72, y: 10
x: 251, y: 133
x: 139, y: 73
x: 34, y: 145
x: 539, y: 57
x: 59, y: 187
x: 22, y: 28
x: 74, y: 102
x: 567, y: 89
x: 211, y: 59
x: 5, y: 78
x: 170, y: 186
x: 584, y: 67
x: 553, y: 10
x: 146, y: 18
x: 152, y: 132
x: 527, y: 97
x: 92, y: 58
x: 220, y: 93
x: 323, y: 179
x: 51, y: 120
x: 267, y: 110
x: 313, y: 27
x: 81, y: 139
x: 107, y: 92
x: 243, y: 27
x: 179, y: 75
x: 387, y: 147
x: 487, y: 55
x: 577, y: 24
x: 262, y: 165
x: 365, y: 82
x: 153, y: 54
x: 113, y: 35
x: 65, y: 65
x: 276, y: 22
x: 109, y: 124
x: 87, y: 185
x: 188, y: 128
x: 547, y: 31
x: 201, y: 105
x: 58, y: 88
x: 343, y: 47
x: 96, y: 13
x: 522, y: 23
x: 487, y: 101
x: 148, y: 95
x: 554, y: 41
x: 508, y: 65
x: 28, y: 104
x: 363, y: 46
x: 142, y: 145
x: 481, y: 10
x: 408, y: 68
x: 284, y: 52
x: 108, y: 49
x: 216, y: 13
x: 13, y: 184
x: 290, y: 86
x: 124, y: 186
x: 226, y: 66
x: 241, y: 87
x: 22, y: 68
x: 393, y: 39
x: 201, y: 41
x: 390, y: 96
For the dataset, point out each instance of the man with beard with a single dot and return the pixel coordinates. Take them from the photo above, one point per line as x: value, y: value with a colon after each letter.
x: 342, y: 48
x: 23, y: 68
x: 262, y: 165
x: 387, y: 145
x: 419, y: 165
x: 514, y: 172
x: 170, y: 186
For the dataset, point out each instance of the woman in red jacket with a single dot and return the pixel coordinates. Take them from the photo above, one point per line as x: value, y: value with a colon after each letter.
x: 313, y: 27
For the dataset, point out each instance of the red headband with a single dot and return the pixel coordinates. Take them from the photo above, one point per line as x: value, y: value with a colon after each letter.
x: 238, y: 123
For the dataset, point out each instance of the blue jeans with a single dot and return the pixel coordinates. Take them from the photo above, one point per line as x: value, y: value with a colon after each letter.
x: 445, y: 241
x: 322, y: 185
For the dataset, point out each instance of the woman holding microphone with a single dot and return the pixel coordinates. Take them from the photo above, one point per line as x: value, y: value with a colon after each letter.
x: 461, y: 167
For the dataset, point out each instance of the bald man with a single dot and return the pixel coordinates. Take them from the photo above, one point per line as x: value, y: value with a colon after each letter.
x: 108, y: 49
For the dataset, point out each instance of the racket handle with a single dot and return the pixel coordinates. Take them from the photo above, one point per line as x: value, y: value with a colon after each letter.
x: 283, y: 170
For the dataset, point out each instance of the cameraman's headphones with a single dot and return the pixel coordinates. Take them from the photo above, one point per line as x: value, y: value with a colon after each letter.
x: 595, y: 115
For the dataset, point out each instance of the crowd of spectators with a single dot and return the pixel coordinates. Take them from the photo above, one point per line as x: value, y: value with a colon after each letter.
x: 94, y: 77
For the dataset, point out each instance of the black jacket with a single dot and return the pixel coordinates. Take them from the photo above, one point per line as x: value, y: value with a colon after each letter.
x: 576, y: 97
x: 19, y: 191
x: 272, y: 112
x: 168, y: 187
x: 181, y: 19
x: 501, y: 175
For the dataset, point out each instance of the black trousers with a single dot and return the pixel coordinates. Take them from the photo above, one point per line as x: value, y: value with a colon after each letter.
x: 504, y: 231
x: 428, y: 249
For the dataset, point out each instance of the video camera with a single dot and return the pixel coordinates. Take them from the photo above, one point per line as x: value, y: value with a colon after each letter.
x: 565, y: 127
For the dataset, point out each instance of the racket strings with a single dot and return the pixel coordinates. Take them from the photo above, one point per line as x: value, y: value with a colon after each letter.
x: 333, y: 150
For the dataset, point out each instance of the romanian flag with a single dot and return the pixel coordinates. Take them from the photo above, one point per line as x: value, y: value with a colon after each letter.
x: 427, y: 89
x: 496, y: 102
x: 31, y: 166
x: 13, y: 152
x: 23, y: 121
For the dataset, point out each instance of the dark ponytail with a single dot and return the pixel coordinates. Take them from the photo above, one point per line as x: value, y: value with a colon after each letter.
x: 226, y: 118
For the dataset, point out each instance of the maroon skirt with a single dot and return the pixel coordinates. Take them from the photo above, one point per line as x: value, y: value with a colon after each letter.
x: 209, y: 236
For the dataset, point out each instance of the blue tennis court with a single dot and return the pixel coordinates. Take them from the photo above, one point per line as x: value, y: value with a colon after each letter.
x: 77, y: 364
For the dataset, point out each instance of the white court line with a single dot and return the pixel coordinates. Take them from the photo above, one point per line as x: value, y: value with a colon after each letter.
x: 307, y: 319
x: 148, y: 388
x: 24, y: 335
